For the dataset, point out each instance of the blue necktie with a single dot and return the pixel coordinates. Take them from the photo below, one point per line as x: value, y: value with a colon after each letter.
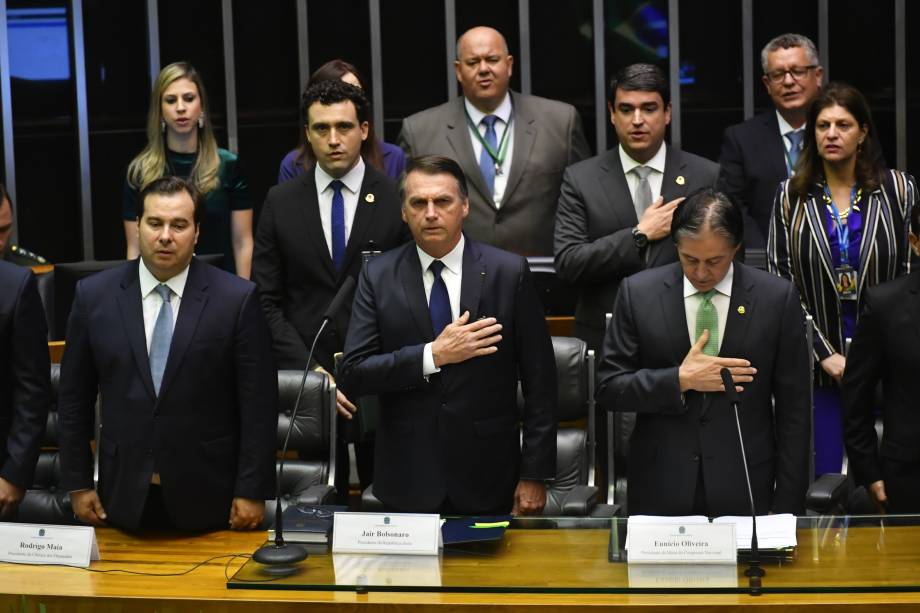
x: 162, y: 337
x: 486, y: 163
x: 338, y: 224
x: 795, y: 138
x: 439, y: 301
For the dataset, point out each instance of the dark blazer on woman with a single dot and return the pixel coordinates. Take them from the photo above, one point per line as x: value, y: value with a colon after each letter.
x: 798, y: 249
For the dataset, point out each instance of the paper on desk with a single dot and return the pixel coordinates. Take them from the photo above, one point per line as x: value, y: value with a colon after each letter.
x: 773, y: 531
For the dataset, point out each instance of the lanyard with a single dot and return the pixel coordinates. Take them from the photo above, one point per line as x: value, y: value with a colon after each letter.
x: 498, y: 157
x: 843, y: 230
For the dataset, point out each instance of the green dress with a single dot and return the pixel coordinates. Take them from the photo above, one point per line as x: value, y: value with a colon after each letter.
x: 231, y: 194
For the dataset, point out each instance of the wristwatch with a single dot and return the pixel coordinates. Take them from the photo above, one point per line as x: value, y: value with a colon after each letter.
x: 639, y: 238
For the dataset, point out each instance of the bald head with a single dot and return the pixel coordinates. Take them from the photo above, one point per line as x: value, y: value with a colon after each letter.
x: 483, y: 67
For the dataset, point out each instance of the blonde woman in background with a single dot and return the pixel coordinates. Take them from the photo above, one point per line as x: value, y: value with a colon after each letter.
x: 180, y: 142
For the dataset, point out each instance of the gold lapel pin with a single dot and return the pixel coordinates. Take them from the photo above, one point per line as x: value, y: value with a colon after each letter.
x: 741, y: 310
x: 680, y: 180
x: 369, y: 199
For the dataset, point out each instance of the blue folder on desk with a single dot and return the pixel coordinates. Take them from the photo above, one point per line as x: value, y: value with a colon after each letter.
x: 457, y: 530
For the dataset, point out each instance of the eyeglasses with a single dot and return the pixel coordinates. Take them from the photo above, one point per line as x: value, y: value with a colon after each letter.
x: 798, y: 73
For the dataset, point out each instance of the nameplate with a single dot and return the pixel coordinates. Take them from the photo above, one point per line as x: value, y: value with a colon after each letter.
x: 376, y: 570
x: 682, y: 544
x: 399, y: 533
x: 46, y: 544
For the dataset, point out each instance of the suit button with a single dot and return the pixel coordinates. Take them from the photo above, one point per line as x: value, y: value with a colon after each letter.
x: 696, y: 457
x: 704, y: 421
x: 150, y: 452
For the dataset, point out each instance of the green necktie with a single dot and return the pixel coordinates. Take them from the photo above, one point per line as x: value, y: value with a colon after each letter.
x: 707, y: 318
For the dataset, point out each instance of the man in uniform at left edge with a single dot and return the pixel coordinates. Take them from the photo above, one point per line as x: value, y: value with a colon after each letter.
x: 14, y: 254
x: 181, y: 355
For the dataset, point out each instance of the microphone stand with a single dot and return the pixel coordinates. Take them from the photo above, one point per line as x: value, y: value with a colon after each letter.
x: 754, y: 571
x: 281, y: 554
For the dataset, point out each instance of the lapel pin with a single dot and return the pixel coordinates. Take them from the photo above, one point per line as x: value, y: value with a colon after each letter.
x: 741, y: 310
x: 680, y: 180
x: 369, y: 199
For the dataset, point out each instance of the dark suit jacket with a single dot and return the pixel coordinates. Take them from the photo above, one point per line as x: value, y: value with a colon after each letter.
x: 25, y: 389
x: 594, y: 244
x: 798, y: 250
x: 643, y: 350
x: 210, y: 434
x: 886, y: 348
x: 547, y: 137
x: 752, y: 165
x: 293, y: 269
x: 456, y: 435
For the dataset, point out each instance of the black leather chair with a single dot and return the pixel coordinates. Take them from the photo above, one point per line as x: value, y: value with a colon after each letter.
x: 574, y: 491
x: 45, y: 502
x: 558, y: 297
x: 309, y: 470
x: 620, y: 425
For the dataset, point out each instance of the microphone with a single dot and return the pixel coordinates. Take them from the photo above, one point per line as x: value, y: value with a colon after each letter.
x: 280, y: 553
x: 754, y: 571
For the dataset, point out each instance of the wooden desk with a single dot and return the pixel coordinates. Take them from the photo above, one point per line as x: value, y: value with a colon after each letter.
x: 855, y: 558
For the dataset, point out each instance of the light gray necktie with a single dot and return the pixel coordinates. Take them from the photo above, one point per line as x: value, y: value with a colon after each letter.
x: 162, y: 337
x: 643, y: 198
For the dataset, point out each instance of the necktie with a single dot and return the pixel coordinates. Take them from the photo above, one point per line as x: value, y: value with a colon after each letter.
x: 338, y: 224
x: 439, y: 301
x: 795, y: 138
x: 162, y: 337
x: 486, y: 163
x: 643, y: 198
x: 707, y: 318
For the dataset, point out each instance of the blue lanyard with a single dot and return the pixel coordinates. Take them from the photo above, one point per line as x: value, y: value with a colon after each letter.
x: 843, y: 230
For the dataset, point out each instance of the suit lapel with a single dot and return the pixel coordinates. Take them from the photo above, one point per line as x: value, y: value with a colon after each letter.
x: 871, y: 215
x: 616, y: 190
x: 774, y: 148
x: 194, y: 299
x: 525, y: 133
x: 458, y: 135
x: 411, y: 274
x: 132, y: 315
x: 313, y: 224
x: 740, y: 310
x: 674, y: 184
x: 675, y: 315
x: 815, y: 219
x: 472, y: 280
x: 364, y: 217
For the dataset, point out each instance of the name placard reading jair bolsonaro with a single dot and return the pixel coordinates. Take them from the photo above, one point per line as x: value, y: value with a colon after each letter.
x: 399, y: 533
x: 682, y: 544
x: 45, y: 544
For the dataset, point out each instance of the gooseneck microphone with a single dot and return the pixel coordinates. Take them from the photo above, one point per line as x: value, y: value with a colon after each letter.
x: 754, y: 571
x: 279, y: 552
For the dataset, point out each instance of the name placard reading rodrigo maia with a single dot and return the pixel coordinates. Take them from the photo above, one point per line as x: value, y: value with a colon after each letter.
x: 46, y: 544
x: 682, y: 544
x: 399, y: 533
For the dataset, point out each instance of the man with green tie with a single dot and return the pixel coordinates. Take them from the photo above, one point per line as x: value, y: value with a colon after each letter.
x: 675, y: 327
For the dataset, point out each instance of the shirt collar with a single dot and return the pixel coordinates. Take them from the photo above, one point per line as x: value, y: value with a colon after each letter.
x: 656, y: 163
x: 503, y: 111
x: 149, y: 282
x: 784, y: 126
x: 352, y: 179
x: 453, y: 261
x: 723, y: 287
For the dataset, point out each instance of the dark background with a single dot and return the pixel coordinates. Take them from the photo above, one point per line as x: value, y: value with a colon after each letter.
x: 414, y: 65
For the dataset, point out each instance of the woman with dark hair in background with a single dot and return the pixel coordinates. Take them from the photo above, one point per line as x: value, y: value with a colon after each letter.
x: 180, y: 142
x: 385, y: 157
x: 840, y: 217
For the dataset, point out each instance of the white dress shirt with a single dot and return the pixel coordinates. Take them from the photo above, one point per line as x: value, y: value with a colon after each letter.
x: 721, y: 300
x: 655, y: 178
x: 151, y: 301
x: 452, y: 273
x: 324, y: 192
x: 503, y: 112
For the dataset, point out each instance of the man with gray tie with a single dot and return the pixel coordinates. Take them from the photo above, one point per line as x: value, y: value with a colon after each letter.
x: 761, y: 152
x: 513, y: 148
x: 182, y: 357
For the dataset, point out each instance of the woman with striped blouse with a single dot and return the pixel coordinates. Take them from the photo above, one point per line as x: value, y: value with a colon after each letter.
x: 839, y: 225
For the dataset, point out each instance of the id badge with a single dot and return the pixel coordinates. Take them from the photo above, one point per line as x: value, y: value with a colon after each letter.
x: 846, y: 282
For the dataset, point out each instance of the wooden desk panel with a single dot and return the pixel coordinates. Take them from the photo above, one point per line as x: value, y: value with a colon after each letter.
x: 854, y: 559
